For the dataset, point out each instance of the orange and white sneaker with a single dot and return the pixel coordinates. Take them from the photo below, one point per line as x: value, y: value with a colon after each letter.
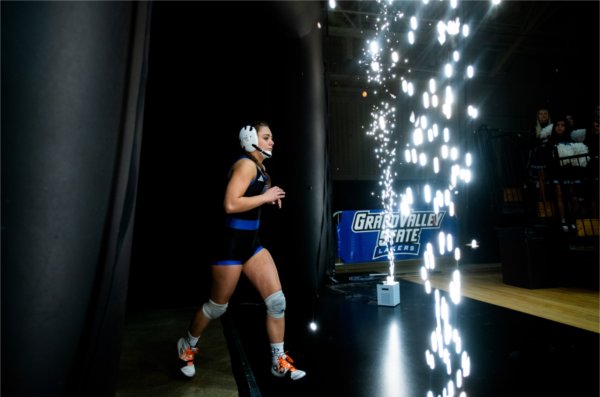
x: 186, y: 357
x: 284, y: 367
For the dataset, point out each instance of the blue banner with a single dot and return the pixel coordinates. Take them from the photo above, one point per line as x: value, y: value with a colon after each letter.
x: 360, y: 237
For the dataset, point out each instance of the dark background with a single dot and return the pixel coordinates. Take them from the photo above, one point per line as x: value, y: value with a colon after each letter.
x: 211, y: 68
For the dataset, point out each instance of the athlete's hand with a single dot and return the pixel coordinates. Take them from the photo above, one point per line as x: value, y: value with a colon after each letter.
x: 274, y: 195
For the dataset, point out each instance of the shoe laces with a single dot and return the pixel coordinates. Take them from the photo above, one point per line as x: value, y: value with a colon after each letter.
x: 189, y: 353
x: 286, y: 361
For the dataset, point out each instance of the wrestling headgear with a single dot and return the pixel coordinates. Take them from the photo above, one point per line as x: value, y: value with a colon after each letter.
x: 248, y: 138
x: 249, y: 141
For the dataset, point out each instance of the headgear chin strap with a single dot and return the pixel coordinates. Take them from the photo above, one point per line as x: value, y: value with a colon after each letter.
x: 249, y: 141
x: 265, y: 153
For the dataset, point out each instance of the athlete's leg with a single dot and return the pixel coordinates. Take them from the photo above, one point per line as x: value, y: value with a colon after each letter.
x: 225, y: 279
x: 262, y: 273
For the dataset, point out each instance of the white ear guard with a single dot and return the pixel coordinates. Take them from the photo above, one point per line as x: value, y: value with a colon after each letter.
x: 248, y: 138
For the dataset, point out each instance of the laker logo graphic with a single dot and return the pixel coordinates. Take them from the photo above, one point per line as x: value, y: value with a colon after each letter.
x: 401, y: 232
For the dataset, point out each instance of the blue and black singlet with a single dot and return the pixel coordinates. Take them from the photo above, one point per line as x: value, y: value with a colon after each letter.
x: 240, y: 235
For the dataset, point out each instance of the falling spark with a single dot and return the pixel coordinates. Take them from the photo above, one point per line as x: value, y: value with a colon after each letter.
x: 430, y: 114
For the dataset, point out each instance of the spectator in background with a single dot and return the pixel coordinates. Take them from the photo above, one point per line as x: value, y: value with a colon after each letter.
x: 539, y: 150
x: 542, y: 121
x: 591, y: 138
x: 570, y: 121
x: 560, y: 133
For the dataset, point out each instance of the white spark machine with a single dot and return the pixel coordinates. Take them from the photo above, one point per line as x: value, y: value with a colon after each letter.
x: 388, y: 293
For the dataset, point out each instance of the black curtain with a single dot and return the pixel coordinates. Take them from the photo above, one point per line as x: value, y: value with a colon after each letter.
x: 73, y: 81
x: 203, y: 86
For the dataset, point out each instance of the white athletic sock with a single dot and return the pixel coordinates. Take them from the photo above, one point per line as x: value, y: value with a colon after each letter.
x: 192, y: 340
x: 276, y: 351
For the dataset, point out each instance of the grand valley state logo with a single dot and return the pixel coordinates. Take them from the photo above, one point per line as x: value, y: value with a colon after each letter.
x: 403, y: 231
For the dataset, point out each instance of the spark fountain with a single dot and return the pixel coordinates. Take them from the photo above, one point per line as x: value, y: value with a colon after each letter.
x: 428, y: 139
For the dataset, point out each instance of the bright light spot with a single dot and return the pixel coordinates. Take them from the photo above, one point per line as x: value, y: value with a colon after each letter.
x: 409, y: 195
x: 446, y: 134
x: 457, y: 340
x: 465, y: 363
x: 318, y: 24
x: 453, y: 27
x: 453, y: 3
x: 459, y: 379
x: 466, y: 30
x: 468, y: 159
x: 453, y: 153
x: 410, y: 89
x: 427, y: 191
x: 413, y: 23
x: 470, y: 71
x: 449, y: 243
x: 496, y: 2
x: 423, y: 159
x: 447, y: 110
x: 457, y: 254
x: 436, y: 165
x: 455, y: 285
x: 448, y: 70
x: 404, y: 86
x: 442, y: 38
x: 449, y: 95
x: 474, y: 244
x: 312, y: 326
x: 374, y: 48
x: 375, y: 66
x: 444, y: 151
x: 435, y: 101
x: 407, y: 156
x: 430, y: 359
x: 411, y: 37
x: 395, y: 56
x: 428, y: 287
x: 465, y: 175
x: 426, y: 100
x: 442, y: 243
x: 423, y: 273
x: 382, y: 122
x: 413, y: 156
x: 451, y: 390
x: 472, y: 111
x: 451, y: 209
x: 434, y: 344
x: 441, y: 29
x: 447, y: 198
x: 418, y: 137
x: 432, y: 86
x: 332, y: 4
x: 456, y: 56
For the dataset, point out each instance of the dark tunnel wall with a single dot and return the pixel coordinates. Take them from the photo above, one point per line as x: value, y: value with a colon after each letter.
x: 214, y: 67
x: 73, y: 91
x: 72, y: 101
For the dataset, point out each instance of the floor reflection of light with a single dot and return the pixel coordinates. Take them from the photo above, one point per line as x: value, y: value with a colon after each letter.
x: 394, y: 372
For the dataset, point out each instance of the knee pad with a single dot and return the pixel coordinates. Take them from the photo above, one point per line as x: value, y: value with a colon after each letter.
x: 275, y: 304
x: 214, y: 310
